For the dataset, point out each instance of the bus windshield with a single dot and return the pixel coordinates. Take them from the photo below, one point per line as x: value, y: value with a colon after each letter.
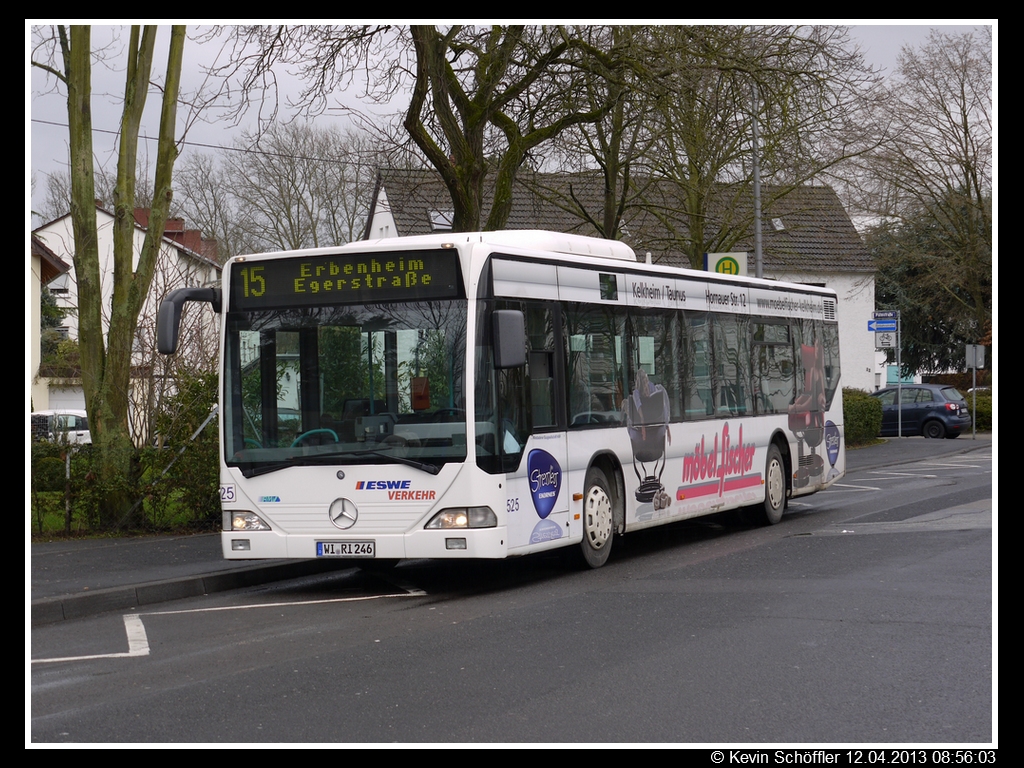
x: 355, y: 383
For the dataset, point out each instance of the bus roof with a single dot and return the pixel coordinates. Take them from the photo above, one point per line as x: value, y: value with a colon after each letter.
x: 540, y: 242
x: 536, y: 239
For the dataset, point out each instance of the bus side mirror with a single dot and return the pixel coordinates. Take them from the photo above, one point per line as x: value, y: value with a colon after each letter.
x: 169, y: 318
x: 509, y: 329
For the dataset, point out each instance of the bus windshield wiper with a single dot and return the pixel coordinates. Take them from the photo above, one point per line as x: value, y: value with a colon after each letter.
x: 317, y: 458
x: 379, y: 452
x: 248, y: 470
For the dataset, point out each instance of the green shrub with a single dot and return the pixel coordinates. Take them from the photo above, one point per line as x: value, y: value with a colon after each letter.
x: 862, y: 416
x: 48, y: 486
x: 167, y: 490
x: 192, y: 482
x: 983, y: 417
x: 48, y: 474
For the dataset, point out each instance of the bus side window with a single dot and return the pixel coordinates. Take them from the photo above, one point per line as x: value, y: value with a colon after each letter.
x: 774, y: 366
x: 540, y: 332
x: 656, y: 347
x: 596, y: 367
x: 542, y: 388
x: 699, y: 398
x: 731, y: 352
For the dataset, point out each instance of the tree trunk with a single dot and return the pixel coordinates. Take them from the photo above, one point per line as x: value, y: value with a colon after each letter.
x: 106, y: 369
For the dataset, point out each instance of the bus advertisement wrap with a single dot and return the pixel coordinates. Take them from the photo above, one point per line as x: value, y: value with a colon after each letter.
x: 482, y: 395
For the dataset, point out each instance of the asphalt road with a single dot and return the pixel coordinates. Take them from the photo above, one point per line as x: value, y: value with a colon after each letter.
x: 865, y: 617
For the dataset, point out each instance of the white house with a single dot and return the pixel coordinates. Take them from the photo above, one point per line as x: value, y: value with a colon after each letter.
x: 185, y: 259
x: 44, y: 267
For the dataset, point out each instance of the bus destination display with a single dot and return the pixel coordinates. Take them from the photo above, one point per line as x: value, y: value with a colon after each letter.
x: 358, y: 278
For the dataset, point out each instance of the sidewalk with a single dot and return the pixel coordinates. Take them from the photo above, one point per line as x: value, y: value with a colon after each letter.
x: 72, y: 579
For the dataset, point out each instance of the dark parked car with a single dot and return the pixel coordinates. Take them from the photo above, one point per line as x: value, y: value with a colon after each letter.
x: 932, y: 410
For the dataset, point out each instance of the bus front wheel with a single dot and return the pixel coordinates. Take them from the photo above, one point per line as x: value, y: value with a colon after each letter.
x: 598, y: 520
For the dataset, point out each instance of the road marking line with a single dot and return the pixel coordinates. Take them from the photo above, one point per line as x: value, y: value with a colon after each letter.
x: 138, y: 643
x: 417, y: 593
x: 954, y: 466
x: 886, y: 473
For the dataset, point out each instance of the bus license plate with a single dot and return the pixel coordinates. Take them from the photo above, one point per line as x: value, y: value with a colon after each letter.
x: 345, y: 549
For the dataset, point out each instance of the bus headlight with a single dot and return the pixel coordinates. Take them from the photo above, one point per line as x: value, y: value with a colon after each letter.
x: 464, y: 517
x: 243, y: 520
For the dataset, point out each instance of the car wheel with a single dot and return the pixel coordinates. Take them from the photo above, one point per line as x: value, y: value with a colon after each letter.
x: 598, y: 520
x: 934, y: 430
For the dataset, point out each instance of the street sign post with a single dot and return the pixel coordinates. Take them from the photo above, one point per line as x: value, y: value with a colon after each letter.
x: 885, y: 324
x: 975, y: 360
x: 885, y: 340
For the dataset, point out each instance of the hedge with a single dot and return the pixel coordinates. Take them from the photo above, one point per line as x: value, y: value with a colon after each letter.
x: 862, y: 416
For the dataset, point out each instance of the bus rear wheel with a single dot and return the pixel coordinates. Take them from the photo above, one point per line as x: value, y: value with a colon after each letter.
x: 769, y: 512
x: 598, y: 520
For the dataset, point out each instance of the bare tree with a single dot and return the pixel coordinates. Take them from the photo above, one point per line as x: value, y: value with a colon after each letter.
x: 940, y: 108
x: 811, y: 84
x: 931, y: 188
x: 204, y: 197
x: 294, y: 186
x: 106, y: 361
x: 57, y: 201
x: 676, y: 141
x: 627, y: 93
x: 482, y: 98
x: 155, y: 376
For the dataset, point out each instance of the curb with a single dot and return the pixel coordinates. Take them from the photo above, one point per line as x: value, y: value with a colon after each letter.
x: 49, y: 610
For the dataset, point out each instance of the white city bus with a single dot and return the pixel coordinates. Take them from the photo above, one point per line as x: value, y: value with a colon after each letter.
x: 495, y: 394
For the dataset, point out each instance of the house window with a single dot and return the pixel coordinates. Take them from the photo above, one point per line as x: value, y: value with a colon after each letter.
x: 59, y: 285
x: 441, y: 221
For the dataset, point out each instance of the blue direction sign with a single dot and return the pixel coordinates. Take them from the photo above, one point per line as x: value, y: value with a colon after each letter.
x: 882, y: 326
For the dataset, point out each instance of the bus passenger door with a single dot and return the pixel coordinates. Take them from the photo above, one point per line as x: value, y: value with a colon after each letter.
x: 538, y: 501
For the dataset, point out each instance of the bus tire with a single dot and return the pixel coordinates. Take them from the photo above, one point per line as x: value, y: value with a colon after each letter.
x: 775, y: 486
x: 769, y: 512
x: 598, y: 520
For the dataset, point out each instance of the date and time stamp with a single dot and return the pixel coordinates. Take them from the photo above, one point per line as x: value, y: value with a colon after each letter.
x: 853, y: 757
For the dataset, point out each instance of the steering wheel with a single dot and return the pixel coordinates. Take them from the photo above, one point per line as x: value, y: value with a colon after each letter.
x: 304, y: 435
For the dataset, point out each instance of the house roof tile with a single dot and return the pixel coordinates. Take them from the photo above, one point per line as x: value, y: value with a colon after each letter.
x: 816, y: 234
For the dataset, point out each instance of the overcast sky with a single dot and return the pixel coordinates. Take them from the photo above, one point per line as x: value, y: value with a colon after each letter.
x: 46, y: 132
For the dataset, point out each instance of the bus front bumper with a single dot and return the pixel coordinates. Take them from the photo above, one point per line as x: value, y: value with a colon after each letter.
x: 484, y: 543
